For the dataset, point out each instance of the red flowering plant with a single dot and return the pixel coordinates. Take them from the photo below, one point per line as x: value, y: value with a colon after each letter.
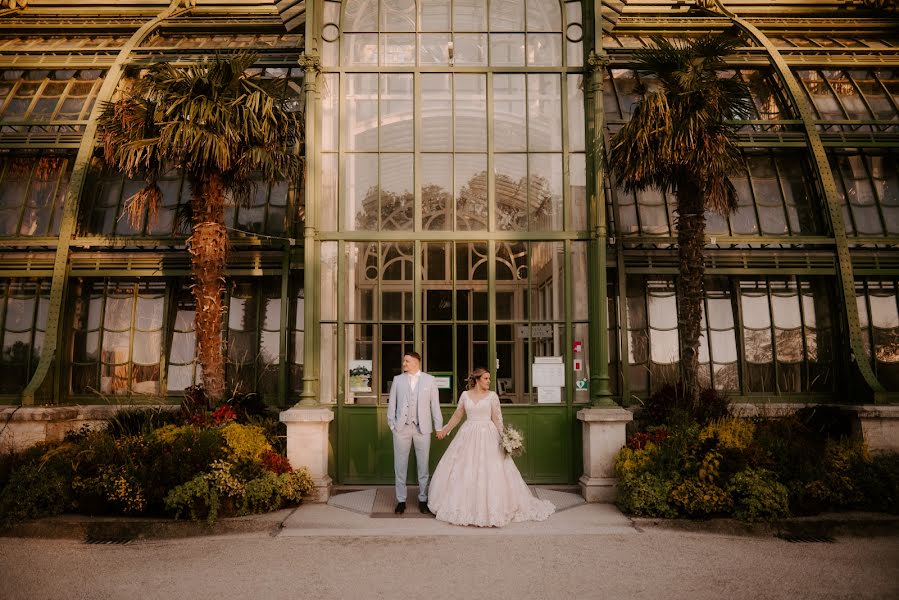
x: 639, y: 440
x: 276, y: 463
x: 223, y: 414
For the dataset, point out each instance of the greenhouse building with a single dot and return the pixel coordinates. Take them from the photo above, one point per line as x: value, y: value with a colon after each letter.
x: 455, y: 202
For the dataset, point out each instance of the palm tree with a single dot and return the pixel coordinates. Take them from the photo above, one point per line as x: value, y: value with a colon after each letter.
x: 678, y: 140
x: 221, y: 126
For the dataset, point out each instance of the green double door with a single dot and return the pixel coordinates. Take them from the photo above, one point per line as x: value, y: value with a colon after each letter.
x: 363, y: 445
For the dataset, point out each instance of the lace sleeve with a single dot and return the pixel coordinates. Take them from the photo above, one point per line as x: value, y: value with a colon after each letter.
x: 457, y: 416
x: 496, y: 414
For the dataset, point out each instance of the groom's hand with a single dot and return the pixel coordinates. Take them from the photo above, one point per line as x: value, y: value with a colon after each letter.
x: 440, y: 434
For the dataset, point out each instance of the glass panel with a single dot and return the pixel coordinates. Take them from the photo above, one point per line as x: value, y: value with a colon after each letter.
x: 545, y: 192
x: 434, y: 49
x: 435, y: 15
x: 328, y: 364
x: 885, y: 175
x: 874, y: 94
x: 436, y: 192
x: 757, y: 343
x: 361, y: 280
x: 511, y: 191
x: 577, y: 190
x: 470, y: 15
x: 544, y: 113
x: 821, y: 95
x: 576, y: 122
x: 859, y: 195
x: 506, y: 15
x: 398, y: 49
x: 327, y: 212
x: 361, y: 189
x: 361, y: 382
x: 328, y: 261
x: 848, y: 95
x: 507, y: 49
x: 397, y: 200
x: 544, y: 16
x: 509, y: 110
x: 547, y: 281
x: 360, y: 15
x: 361, y: 121
x: 470, y: 49
x: 471, y: 192
x: 544, y: 50
x: 359, y: 49
x: 395, y: 132
x: 436, y: 112
x: 397, y: 15
x: 470, y: 113
x: 769, y: 202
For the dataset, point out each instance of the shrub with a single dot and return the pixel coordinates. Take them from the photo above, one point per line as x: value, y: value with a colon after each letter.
x: 645, y: 495
x: 248, y: 407
x: 878, y: 481
x: 697, y: 498
x: 245, y: 441
x: 35, y: 489
x: 140, y: 421
x: 758, y: 496
x: 669, y: 405
x: 199, y: 497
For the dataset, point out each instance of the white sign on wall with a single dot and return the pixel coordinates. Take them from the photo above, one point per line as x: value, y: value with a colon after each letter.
x: 548, y: 371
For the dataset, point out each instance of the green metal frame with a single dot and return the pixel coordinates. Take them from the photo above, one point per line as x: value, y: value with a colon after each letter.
x: 76, y: 184
x: 834, y: 210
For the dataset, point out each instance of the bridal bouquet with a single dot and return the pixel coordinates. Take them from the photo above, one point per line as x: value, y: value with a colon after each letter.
x: 513, y: 441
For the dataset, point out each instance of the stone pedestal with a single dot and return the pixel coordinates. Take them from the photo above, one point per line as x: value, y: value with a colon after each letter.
x: 604, y: 436
x: 879, y: 427
x: 307, y: 445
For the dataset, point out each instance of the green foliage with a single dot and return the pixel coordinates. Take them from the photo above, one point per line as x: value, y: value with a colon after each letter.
x: 878, y: 480
x: 139, y: 421
x: 758, y: 496
x: 671, y: 405
x: 754, y: 470
x: 38, y: 484
x: 645, y: 495
x: 696, y: 498
x: 130, y: 469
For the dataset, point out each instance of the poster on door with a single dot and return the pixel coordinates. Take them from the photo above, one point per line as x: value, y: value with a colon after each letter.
x: 360, y: 375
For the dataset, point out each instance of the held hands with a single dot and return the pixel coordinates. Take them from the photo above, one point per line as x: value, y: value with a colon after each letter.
x: 441, y: 433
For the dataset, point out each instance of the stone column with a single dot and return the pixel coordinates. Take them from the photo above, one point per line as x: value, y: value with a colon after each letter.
x: 604, y: 436
x: 307, y: 445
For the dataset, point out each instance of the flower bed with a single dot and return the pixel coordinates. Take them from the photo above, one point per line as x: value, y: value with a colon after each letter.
x: 753, y: 470
x: 197, y: 463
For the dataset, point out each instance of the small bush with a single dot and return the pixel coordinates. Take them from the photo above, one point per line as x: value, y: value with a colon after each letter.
x: 645, y: 495
x: 34, y: 490
x: 758, y: 496
x: 697, y: 498
x: 140, y: 421
x: 878, y: 481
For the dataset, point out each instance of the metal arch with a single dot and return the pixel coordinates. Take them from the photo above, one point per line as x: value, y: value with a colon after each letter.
x: 844, y: 260
x: 73, y: 195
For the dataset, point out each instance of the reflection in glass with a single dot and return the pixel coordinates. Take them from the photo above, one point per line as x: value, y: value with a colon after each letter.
x: 436, y: 192
x: 511, y: 192
x: 544, y: 113
x: 470, y: 128
x: 471, y: 192
x: 470, y: 49
x: 509, y: 110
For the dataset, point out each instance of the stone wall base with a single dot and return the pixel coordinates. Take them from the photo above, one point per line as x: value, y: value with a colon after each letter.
x: 24, y: 426
x: 604, y: 433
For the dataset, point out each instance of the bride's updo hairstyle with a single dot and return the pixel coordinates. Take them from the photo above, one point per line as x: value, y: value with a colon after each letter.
x: 473, y: 377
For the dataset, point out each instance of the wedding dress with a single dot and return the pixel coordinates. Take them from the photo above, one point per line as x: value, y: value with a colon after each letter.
x: 476, y: 483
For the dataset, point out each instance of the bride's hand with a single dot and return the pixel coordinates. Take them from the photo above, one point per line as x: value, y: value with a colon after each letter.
x: 441, y: 433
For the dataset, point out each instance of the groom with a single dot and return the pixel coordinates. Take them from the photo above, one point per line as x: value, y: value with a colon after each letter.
x: 414, y: 402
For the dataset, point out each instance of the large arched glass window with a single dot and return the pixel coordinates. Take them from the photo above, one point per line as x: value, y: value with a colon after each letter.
x: 443, y: 120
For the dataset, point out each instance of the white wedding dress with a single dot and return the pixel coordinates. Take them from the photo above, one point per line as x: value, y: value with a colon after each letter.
x: 476, y: 483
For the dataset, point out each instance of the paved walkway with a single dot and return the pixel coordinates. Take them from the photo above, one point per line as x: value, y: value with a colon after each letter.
x: 350, y: 515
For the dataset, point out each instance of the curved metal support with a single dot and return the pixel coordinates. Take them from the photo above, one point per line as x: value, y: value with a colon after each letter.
x: 73, y: 197
x: 844, y: 261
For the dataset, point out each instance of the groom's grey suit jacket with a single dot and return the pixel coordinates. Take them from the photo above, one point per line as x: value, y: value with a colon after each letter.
x: 425, y: 394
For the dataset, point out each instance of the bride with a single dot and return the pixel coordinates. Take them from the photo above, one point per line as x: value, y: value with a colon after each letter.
x: 476, y: 483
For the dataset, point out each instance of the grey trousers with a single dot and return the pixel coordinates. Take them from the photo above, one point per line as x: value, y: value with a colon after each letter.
x: 404, y: 436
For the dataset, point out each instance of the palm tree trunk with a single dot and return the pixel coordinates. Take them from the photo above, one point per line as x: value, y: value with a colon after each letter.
x: 208, y: 247
x: 690, y: 284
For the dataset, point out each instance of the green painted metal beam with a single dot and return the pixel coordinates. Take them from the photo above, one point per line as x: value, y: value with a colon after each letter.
x: 834, y: 210
x: 73, y: 195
